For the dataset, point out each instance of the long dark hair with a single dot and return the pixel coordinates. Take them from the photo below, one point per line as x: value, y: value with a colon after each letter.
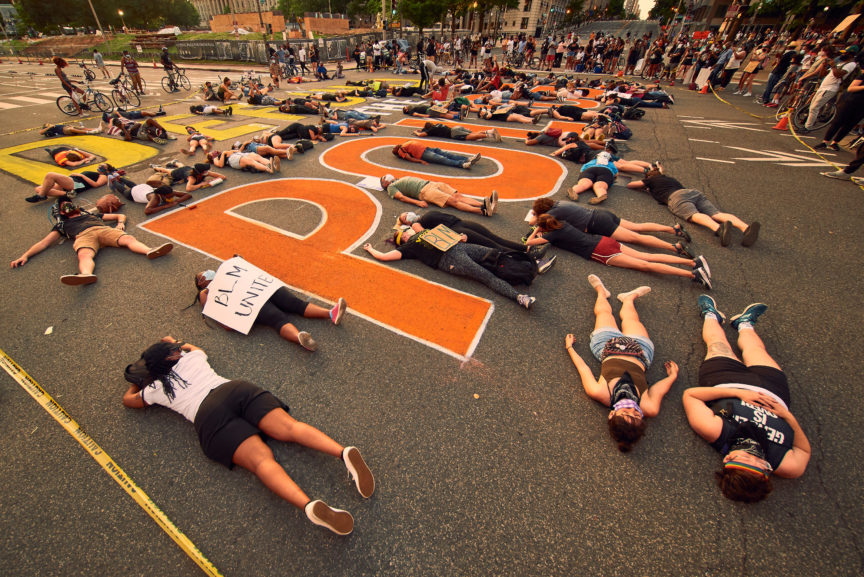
x: 161, y: 367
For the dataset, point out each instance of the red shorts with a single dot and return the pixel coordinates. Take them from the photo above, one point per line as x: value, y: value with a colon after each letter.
x: 606, y: 249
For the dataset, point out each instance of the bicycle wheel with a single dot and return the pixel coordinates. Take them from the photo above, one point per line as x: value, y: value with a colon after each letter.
x: 166, y: 84
x: 823, y: 118
x: 67, y: 105
x: 89, y: 75
x: 102, y: 102
x: 183, y: 82
x: 125, y: 101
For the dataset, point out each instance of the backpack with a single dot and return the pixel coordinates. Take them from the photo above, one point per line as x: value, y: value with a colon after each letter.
x: 621, y: 130
x: 633, y: 114
x: 553, y: 132
x: 517, y: 268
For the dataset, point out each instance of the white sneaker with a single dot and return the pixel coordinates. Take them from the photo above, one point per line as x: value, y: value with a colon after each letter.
x: 359, y: 471
x: 839, y: 175
x: 737, y: 92
x: 339, y: 521
x: 526, y: 301
x: 858, y: 180
x: 748, y: 94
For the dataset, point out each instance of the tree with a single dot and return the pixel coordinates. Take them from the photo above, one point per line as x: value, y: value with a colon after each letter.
x: 421, y: 13
x: 574, y: 11
x: 662, y: 10
x: 484, y: 7
x: 615, y: 9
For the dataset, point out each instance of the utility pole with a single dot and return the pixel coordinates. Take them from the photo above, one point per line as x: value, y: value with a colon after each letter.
x: 98, y: 24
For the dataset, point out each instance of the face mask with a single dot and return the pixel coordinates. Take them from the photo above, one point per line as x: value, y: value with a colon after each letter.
x: 209, y: 275
x: 411, y: 217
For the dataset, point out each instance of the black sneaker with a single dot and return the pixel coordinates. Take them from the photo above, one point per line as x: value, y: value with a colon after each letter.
x: 700, y: 276
x: 526, y: 301
x: 545, y: 264
x: 821, y: 146
x: 700, y: 262
x: 725, y: 233
x: 681, y: 250
x: 36, y: 198
x: 834, y: 147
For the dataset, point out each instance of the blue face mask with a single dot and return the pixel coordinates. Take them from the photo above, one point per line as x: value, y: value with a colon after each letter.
x: 209, y: 275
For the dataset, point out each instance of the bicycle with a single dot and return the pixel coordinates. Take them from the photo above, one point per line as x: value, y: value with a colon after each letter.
x: 175, y: 79
x: 127, y: 83
x: 801, y: 110
x: 88, y: 74
x: 66, y: 104
x: 123, y: 98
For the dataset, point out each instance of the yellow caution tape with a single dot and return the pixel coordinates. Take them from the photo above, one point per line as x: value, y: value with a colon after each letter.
x: 108, y: 464
x: 735, y: 107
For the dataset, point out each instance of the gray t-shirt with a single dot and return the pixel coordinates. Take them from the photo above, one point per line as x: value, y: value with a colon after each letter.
x: 97, y: 58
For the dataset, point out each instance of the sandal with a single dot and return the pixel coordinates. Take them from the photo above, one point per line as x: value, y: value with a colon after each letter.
x: 598, y: 199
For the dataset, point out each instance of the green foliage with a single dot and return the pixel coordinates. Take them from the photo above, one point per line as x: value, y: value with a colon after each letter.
x: 364, y: 7
x: 421, y: 13
x: 47, y: 15
x: 574, y: 11
x: 662, y: 10
x: 615, y: 9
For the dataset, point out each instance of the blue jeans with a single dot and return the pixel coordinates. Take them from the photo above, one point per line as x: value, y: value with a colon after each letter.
x: 773, y: 79
x: 438, y: 156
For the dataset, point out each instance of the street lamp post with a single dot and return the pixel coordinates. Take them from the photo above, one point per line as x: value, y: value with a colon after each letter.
x: 120, y: 12
x: 98, y: 24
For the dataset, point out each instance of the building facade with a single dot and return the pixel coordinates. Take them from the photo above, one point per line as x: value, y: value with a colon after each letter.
x: 207, y: 9
x: 531, y: 17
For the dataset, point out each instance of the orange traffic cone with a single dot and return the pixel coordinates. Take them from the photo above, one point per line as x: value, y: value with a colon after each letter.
x: 704, y: 89
x: 784, y: 122
x: 154, y: 63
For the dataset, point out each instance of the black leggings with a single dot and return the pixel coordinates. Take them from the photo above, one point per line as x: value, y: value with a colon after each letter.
x: 479, y: 234
x: 855, y: 164
x: 122, y: 185
x: 275, y: 311
x: 850, y: 111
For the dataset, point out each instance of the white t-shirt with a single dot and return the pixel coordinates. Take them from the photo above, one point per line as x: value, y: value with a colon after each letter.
x: 831, y: 83
x: 194, y: 379
x: 139, y: 192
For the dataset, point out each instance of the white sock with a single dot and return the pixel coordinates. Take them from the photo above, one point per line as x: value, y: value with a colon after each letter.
x: 745, y: 325
x: 710, y: 316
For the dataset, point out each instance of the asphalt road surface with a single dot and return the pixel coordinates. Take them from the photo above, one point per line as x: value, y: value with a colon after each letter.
x: 497, y: 464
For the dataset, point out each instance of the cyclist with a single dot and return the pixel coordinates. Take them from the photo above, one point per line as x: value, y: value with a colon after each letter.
x: 170, y: 69
x: 60, y: 64
x: 131, y: 66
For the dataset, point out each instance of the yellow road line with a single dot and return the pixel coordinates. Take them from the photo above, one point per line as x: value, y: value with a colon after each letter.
x: 114, y: 471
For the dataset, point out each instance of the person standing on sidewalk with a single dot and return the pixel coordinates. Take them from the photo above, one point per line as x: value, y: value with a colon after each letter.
x: 100, y: 63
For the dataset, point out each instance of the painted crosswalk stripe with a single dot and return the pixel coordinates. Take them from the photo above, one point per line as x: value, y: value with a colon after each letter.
x: 30, y: 100
x: 8, y: 105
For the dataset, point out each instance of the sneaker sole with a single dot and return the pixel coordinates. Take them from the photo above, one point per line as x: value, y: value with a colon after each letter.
x: 78, y: 280
x: 307, y: 342
x: 360, y: 472
x: 725, y: 233
x: 340, y: 522
x: 751, y: 234
x: 341, y: 306
x: 734, y: 321
x: 160, y: 251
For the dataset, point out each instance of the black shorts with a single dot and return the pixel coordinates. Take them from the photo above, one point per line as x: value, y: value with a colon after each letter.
x: 718, y: 371
x: 274, y: 313
x: 133, y: 115
x: 598, y: 174
x: 229, y: 415
x: 603, y: 222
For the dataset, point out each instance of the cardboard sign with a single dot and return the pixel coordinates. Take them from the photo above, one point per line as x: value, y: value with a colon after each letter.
x: 702, y: 79
x: 441, y: 238
x: 237, y: 293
